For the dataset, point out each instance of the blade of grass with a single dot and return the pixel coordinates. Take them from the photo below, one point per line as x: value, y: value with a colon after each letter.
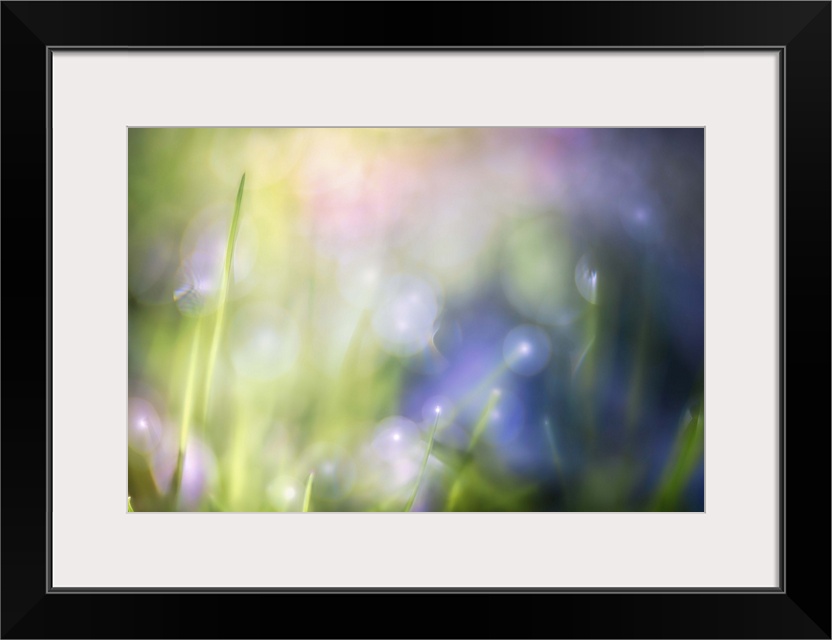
x: 187, y: 412
x: 216, y: 504
x: 482, y: 422
x: 129, y: 506
x: 307, y: 496
x: 687, y: 452
x: 475, y: 393
x: 588, y: 379
x: 549, y: 430
x: 225, y: 283
x: 479, y: 429
x: 424, y: 465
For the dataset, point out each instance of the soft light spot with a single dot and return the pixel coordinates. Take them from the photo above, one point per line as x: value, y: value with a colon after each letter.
x: 144, y: 427
x: 405, y: 316
x: 526, y: 349
x: 436, y: 406
x: 264, y: 340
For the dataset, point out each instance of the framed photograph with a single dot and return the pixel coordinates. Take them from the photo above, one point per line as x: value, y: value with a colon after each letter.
x: 479, y: 312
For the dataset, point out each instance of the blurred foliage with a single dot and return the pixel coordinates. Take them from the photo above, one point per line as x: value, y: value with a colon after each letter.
x: 416, y: 319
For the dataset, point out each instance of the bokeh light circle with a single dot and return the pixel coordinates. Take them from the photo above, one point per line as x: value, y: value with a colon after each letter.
x: 526, y: 349
x: 404, y: 319
x: 144, y: 428
x: 264, y: 341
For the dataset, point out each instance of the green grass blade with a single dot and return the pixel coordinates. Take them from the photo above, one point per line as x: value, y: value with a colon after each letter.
x: 687, y: 452
x: 424, y: 464
x: 129, y: 506
x: 216, y: 503
x: 482, y: 423
x: 225, y: 283
x: 307, y: 496
x: 479, y: 428
x: 187, y: 413
x: 549, y: 430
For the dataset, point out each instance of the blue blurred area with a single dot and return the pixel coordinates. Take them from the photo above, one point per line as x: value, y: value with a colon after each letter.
x: 641, y: 217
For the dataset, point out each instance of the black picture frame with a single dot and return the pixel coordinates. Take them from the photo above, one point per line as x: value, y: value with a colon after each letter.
x: 798, y: 608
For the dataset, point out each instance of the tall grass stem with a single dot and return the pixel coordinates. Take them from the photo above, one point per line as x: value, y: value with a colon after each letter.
x: 187, y: 414
x: 424, y: 464
x: 225, y: 283
x: 307, y: 496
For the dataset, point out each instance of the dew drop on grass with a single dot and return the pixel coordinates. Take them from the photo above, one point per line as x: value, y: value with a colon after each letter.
x: 199, y: 277
x: 586, y: 278
x: 437, y: 407
x: 196, y: 288
x: 448, y: 430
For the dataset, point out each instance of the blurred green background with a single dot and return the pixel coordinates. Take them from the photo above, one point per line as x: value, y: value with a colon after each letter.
x: 479, y: 319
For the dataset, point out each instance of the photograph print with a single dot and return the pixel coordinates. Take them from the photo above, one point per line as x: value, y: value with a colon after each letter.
x: 416, y: 320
